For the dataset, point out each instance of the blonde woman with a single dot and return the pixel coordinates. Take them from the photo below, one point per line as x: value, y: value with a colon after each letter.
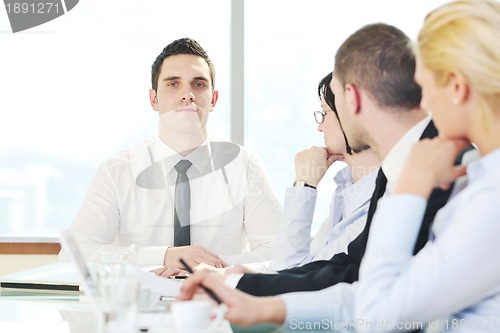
x: 456, y: 277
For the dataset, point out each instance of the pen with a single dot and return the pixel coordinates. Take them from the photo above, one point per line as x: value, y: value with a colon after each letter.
x: 207, y: 290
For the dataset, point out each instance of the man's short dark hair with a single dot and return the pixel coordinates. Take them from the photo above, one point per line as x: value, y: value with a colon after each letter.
x: 180, y: 46
x: 379, y: 58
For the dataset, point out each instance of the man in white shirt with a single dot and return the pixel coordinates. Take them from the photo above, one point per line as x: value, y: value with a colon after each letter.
x: 137, y: 200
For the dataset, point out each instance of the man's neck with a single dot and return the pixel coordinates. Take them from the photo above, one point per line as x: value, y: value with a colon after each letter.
x: 392, y: 128
x: 362, y: 163
x: 184, y: 143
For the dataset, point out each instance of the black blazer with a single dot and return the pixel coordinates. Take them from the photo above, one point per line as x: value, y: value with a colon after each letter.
x: 341, y: 267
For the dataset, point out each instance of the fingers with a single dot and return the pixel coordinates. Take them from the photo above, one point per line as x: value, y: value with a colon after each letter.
x: 215, y: 283
x: 201, y: 278
x: 210, y: 268
x: 210, y: 258
x: 460, y: 171
x: 168, y: 271
x: 160, y: 270
x: 334, y: 158
x: 201, y: 267
x: 431, y: 164
x: 312, y: 164
x: 190, y: 285
x: 460, y: 144
x: 223, y: 263
x: 193, y: 255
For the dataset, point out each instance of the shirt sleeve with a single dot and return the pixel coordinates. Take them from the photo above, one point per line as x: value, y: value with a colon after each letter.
x: 97, y: 223
x: 294, y: 238
x: 335, y: 313
x: 391, y: 278
x: 261, y: 267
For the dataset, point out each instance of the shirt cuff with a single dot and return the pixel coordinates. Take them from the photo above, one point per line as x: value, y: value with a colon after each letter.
x: 151, y: 255
x: 260, y: 267
x: 232, y: 280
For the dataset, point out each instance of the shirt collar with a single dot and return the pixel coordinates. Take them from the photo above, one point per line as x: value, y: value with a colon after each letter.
x: 343, y: 178
x: 484, y: 166
x: 359, y: 193
x: 392, y: 164
x: 198, y: 157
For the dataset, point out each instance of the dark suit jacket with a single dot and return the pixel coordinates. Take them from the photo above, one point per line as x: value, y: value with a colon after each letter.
x: 341, y: 267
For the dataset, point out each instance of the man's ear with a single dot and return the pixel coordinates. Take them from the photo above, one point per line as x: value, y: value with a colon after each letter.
x: 215, y: 97
x: 353, y: 98
x: 153, y: 99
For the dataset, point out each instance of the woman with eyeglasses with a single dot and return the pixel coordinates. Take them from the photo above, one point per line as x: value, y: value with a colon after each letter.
x: 349, y: 207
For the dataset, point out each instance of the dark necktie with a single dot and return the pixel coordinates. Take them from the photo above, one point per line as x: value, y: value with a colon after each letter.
x: 357, y: 247
x: 182, y: 230
x: 379, y: 191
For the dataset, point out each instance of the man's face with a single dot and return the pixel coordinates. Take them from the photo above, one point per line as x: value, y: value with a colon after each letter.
x: 349, y: 123
x: 185, y: 95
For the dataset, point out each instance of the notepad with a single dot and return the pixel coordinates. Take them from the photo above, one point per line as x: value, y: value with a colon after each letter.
x: 60, y: 277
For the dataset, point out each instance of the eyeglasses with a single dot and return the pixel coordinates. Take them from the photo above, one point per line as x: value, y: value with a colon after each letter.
x: 319, y: 116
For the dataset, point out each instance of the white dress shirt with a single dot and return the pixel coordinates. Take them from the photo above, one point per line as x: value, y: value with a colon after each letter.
x: 129, y: 206
x: 456, y: 276
x: 333, y: 307
x: 347, y: 218
x: 393, y: 162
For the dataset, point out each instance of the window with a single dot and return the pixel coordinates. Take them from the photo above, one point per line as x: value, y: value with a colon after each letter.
x: 75, y: 92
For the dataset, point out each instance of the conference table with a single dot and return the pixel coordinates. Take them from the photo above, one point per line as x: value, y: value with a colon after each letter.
x: 56, y: 311
x: 32, y: 312
x: 64, y: 314
x: 42, y: 312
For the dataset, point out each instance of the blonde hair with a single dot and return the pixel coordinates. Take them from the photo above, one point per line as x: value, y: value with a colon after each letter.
x: 464, y: 36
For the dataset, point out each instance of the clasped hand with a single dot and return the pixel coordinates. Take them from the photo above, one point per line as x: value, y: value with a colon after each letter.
x: 430, y: 164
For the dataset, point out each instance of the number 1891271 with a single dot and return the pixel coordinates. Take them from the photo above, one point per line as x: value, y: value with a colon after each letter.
x: 33, y: 8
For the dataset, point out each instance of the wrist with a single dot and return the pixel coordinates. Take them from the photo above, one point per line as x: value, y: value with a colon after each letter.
x: 273, y: 310
x: 302, y: 183
x: 170, y: 255
x: 166, y: 255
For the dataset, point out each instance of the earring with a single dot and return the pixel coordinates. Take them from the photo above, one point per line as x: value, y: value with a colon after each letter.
x: 455, y: 101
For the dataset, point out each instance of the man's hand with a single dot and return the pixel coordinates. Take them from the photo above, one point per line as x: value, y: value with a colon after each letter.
x: 193, y: 255
x: 243, y: 309
x: 311, y: 164
x: 236, y: 269
x: 210, y: 268
x: 172, y: 271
